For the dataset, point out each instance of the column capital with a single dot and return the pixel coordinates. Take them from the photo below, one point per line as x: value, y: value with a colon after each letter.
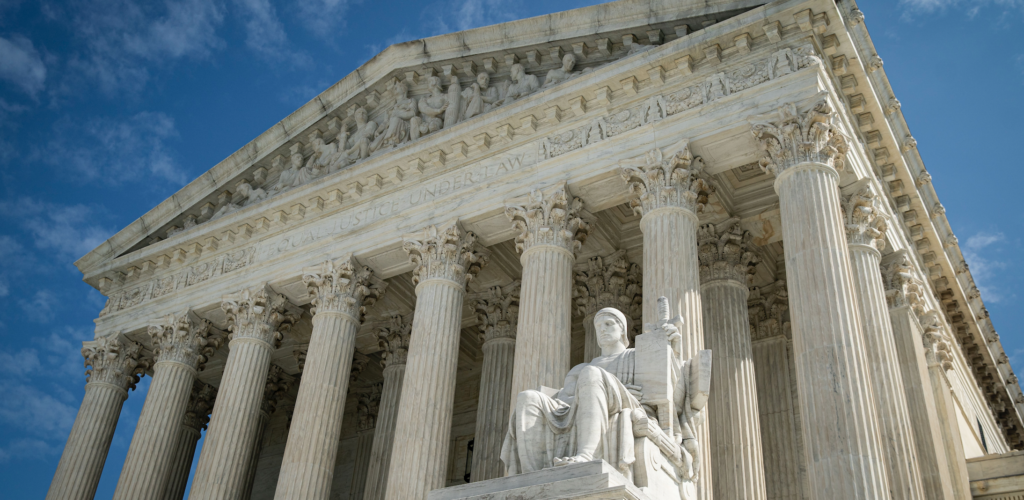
x: 258, y: 313
x: 393, y: 338
x: 277, y: 387
x: 446, y: 253
x: 767, y: 308
x: 937, y: 348
x: 549, y: 216
x: 200, y: 404
x: 724, y: 251
x: 497, y: 310
x: 113, y: 361
x: 368, y: 407
x: 676, y: 181
x: 865, y: 221
x: 343, y: 286
x: 798, y: 134
x: 610, y: 281
x: 183, y: 338
x: 903, y: 287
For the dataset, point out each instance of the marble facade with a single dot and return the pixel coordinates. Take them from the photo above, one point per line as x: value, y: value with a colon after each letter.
x: 350, y: 305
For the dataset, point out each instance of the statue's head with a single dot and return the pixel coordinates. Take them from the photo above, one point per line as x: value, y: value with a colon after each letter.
x: 516, y: 71
x: 568, y: 62
x: 610, y: 326
x: 483, y: 79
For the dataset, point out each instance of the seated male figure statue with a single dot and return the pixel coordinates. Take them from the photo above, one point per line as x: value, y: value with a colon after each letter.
x: 593, y: 416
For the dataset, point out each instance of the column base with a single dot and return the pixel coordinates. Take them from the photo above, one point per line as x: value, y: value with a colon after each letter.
x: 586, y: 481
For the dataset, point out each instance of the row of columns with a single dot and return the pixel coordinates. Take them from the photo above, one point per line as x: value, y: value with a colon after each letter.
x: 856, y: 431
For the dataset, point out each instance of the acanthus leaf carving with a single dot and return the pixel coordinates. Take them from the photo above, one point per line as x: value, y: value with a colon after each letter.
x: 258, y: 313
x: 865, y: 221
x: 725, y: 252
x: 497, y: 311
x: 659, y: 182
x: 393, y: 338
x: 791, y: 136
x: 768, y: 308
x: 448, y: 253
x: 548, y: 217
x: 903, y: 286
x: 368, y: 407
x: 938, y: 350
x: 184, y: 338
x: 278, y: 384
x: 200, y: 405
x: 113, y: 361
x: 343, y: 286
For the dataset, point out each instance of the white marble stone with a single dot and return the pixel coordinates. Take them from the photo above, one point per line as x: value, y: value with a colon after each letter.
x: 583, y: 481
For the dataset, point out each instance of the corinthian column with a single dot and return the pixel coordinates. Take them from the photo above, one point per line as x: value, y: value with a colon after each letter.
x: 197, y: 415
x: 498, y: 312
x: 550, y: 234
x: 726, y: 263
x: 366, y: 411
x: 668, y: 193
x: 114, y: 369
x: 840, y: 428
x: 341, y: 291
x: 904, y: 291
x: 445, y: 260
x: 257, y: 315
x: 394, y: 341
x: 607, y: 282
x: 180, y: 347
x: 865, y: 232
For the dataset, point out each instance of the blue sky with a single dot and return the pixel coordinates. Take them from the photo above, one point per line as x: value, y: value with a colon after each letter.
x: 108, y: 107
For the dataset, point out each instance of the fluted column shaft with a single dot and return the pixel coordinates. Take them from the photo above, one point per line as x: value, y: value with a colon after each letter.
x: 150, y: 459
x: 112, y: 374
x: 384, y: 432
x: 890, y: 397
x: 735, y: 429
x: 309, y: 456
x: 921, y: 404
x: 780, y: 432
x: 227, y: 451
x: 840, y: 429
x: 951, y: 441
x: 80, y: 467
x: 364, y: 447
x: 184, y: 453
x: 545, y: 319
x: 493, y: 408
x: 254, y: 456
x: 425, y: 413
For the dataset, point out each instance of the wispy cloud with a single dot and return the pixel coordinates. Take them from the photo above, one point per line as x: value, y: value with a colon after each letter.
x: 265, y: 34
x: 21, y: 64
x: 66, y: 231
x: 971, y: 8
x: 323, y: 17
x: 115, y: 151
x: 40, y: 308
x: 980, y: 252
x: 122, y: 39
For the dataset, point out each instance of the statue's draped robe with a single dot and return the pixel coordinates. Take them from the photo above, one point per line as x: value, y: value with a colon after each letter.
x: 530, y: 447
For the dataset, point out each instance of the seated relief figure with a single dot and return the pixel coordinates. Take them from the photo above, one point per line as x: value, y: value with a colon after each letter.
x: 403, y: 120
x: 433, y: 106
x: 480, y: 97
x: 522, y: 84
x: 633, y: 408
x: 559, y: 75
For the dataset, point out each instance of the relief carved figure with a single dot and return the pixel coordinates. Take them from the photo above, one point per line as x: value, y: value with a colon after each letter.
x: 609, y: 406
x: 480, y: 97
x: 559, y: 75
x: 403, y: 120
x: 433, y: 106
x: 362, y: 138
x: 249, y: 195
x: 522, y: 84
x: 454, y: 111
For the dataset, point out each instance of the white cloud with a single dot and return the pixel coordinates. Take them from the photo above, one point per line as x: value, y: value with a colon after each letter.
x: 68, y: 231
x: 978, y: 251
x: 35, y: 412
x: 264, y: 33
x: 122, y: 37
x: 27, y: 448
x: 21, y: 363
x: 40, y: 308
x: 21, y: 64
x: 115, y: 151
x: 323, y: 17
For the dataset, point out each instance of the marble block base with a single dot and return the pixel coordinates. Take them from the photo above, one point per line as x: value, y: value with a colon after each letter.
x: 587, y: 481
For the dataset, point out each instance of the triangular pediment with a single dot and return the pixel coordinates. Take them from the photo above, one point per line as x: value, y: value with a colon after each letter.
x: 305, y: 144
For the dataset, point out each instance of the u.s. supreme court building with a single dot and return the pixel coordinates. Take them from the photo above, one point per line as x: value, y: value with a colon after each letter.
x: 380, y: 296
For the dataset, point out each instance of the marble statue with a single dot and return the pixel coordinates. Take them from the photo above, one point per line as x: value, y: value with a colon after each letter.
x: 403, y: 120
x: 433, y: 106
x: 323, y: 156
x: 559, y: 75
x: 452, y: 114
x: 522, y: 84
x: 362, y: 138
x: 480, y: 96
x: 603, y: 403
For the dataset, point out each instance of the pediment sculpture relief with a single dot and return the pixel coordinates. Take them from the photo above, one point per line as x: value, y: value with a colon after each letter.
x: 634, y: 408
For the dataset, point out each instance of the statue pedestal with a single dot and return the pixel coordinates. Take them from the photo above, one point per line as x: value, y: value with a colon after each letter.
x: 587, y: 481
